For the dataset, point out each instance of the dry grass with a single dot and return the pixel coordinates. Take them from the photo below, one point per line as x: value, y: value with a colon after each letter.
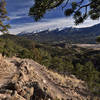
x: 66, y: 80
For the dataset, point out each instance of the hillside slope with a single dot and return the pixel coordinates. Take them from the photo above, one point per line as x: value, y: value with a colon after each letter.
x: 31, y: 81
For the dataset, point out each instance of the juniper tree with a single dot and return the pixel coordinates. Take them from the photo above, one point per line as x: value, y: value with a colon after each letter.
x: 79, y: 9
x: 3, y: 17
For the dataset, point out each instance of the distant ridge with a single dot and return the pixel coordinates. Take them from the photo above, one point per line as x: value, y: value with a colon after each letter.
x: 69, y: 35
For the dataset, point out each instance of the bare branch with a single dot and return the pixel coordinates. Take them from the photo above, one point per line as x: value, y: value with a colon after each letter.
x: 65, y: 4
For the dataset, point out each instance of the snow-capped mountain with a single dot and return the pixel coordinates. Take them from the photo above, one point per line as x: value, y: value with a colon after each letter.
x: 70, y: 34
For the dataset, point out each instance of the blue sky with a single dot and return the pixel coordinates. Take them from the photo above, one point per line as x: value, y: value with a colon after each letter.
x: 20, y: 21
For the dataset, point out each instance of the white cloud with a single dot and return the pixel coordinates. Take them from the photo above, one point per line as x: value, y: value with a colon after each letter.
x: 44, y: 25
x: 88, y: 23
x: 50, y: 24
x: 16, y: 17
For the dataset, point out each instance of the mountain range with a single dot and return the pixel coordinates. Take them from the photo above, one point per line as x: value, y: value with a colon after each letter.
x: 66, y: 35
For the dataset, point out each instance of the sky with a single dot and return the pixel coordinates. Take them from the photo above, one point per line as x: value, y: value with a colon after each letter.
x: 21, y: 22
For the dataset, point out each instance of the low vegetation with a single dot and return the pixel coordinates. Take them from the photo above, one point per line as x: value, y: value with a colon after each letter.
x: 81, y: 62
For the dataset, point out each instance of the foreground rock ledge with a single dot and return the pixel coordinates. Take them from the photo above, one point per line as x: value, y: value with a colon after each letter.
x: 24, y: 79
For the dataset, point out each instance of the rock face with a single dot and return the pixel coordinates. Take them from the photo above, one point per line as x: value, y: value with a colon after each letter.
x: 29, y: 80
x: 6, y: 70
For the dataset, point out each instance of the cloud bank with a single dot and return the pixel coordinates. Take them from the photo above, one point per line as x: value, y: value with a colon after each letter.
x: 50, y: 24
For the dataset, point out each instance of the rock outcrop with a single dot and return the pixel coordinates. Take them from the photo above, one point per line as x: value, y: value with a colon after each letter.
x: 24, y: 79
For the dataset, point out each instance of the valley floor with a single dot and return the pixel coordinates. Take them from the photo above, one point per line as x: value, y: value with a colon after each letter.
x: 89, y: 46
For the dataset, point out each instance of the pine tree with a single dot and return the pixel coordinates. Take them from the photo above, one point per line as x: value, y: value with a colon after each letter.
x: 3, y: 22
x: 79, y: 9
x: 3, y: 17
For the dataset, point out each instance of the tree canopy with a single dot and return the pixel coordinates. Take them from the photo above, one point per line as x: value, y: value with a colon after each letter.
x: 79, y: 9
x: 3, y: 17
x: 98, y: 39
